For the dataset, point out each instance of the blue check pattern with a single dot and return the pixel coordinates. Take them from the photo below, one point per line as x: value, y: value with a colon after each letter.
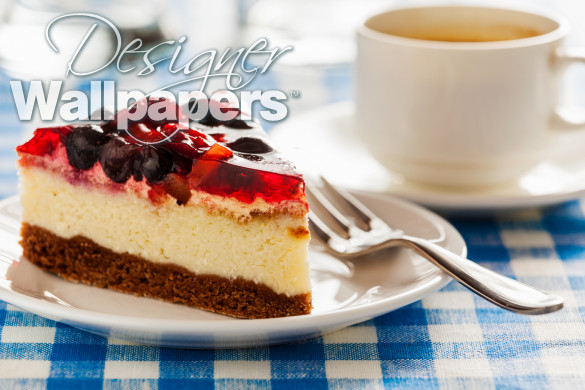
x: 450, y: 340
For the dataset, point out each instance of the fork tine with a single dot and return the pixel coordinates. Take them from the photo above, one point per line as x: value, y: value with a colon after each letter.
x: 321, y: 230
x: 358, y: 208
x: 344, y: 224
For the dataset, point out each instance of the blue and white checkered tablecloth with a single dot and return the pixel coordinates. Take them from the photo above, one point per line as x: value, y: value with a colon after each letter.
x: 451, y: 339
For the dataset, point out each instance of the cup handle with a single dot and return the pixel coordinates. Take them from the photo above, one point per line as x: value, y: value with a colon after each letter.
x: 564, y: 117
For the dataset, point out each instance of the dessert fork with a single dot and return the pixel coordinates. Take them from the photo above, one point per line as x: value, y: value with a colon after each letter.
x: 358, y: 231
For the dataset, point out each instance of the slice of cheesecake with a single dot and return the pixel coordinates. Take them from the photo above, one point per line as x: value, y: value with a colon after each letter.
x: 211, y: 217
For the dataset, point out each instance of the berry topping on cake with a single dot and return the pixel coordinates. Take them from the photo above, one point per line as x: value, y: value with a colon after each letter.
x: 156, y: 163
x: 44, y: 142
x: 250, y: 145
x: 83, y: 145
x: 217, y: 152
x: 178, y: 187
x: 117, y: 159
x: 230, y: 158
x: 211, y: 121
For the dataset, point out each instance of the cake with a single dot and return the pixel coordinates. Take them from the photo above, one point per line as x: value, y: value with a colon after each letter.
x: 208, y: 215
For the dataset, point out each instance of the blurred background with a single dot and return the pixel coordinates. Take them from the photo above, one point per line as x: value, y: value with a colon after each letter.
x: 320, y: 66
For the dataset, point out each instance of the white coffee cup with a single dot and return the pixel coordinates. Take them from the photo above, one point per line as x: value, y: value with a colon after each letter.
x: 459, y: 96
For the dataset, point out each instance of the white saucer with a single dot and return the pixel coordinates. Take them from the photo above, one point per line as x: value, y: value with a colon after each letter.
x: 344, y: 292
x: 324, y: 141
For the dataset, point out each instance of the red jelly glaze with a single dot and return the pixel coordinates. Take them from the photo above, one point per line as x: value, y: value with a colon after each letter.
x: 44, y: 141
x: 247, y: 184
x: 203, y: 160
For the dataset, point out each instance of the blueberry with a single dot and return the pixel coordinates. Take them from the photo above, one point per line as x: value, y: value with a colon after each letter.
x: 110, y: 126
x: 117, y: 159
x: 156, y: 163
x: 137, y: 167
x: 211, y: 121
x: 237, y: 124
x: 83, y: 145
x: 249, y: 145
x: 182, y: 164
x: 165, y: 106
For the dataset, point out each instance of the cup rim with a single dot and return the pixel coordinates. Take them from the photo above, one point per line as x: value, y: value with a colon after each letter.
x: 558, y: 33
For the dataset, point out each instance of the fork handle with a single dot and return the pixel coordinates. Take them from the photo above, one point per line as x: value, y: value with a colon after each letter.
x: 496, y: 288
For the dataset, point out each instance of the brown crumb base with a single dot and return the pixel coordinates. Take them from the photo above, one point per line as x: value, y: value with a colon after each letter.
x: 81, y: 260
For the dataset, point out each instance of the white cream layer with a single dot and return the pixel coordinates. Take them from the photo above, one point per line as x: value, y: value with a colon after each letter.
x: 262, y: 249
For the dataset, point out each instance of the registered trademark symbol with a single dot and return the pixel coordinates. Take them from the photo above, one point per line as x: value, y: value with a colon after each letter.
x: 295, y: 94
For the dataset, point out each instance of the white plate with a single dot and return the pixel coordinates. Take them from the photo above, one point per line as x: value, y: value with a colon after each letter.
x: 325, y: 141
x: 344, y: 292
